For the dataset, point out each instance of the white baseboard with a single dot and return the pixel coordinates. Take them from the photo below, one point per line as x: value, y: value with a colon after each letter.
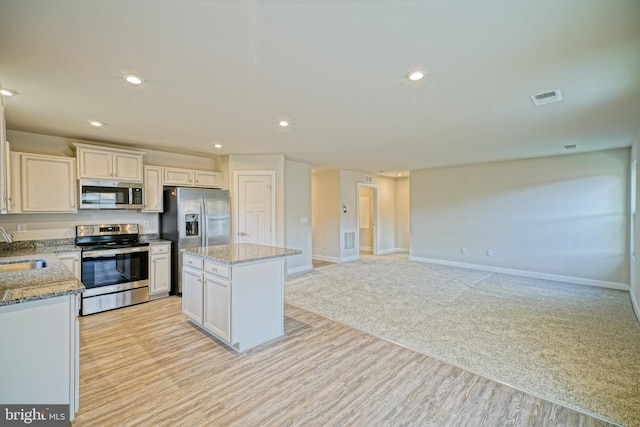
x: 350, y: 258
x: 299, y: 269
x: 325, y: 258
x: 392, y: 251
x: 525, y: 273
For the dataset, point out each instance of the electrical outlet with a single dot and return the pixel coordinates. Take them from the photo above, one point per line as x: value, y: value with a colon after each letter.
x: 489, y: 252
x: 21, y: 228
x: 146, y: 224
x: 463, y: 251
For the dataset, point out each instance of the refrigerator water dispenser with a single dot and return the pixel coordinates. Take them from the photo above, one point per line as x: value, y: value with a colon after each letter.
x: 191, y: 224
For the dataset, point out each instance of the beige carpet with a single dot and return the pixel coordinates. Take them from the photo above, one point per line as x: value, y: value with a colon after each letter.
x: 572, y: 344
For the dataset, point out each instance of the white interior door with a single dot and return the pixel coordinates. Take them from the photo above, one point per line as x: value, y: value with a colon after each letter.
x: 256, y: 204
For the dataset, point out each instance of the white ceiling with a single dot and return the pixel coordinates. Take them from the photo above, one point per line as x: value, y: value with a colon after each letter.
x: 227, y: 71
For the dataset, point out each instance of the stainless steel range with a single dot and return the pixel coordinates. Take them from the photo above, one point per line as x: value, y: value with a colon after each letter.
x: 115, y: 266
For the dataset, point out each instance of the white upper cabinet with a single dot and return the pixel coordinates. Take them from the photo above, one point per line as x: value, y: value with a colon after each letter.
x: 152, y: 189
x: 109, y: 163
x: 179, y: 177
x: 206, y: 179
x: 191, y: 178
x: 43, y: 184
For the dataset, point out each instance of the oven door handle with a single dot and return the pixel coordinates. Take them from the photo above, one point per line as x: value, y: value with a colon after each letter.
x: 111, y: 252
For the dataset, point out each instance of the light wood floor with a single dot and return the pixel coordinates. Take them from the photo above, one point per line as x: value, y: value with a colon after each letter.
x: 146, y: 366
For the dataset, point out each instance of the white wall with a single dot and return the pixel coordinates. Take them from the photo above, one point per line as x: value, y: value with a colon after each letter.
x: 402, y: 214
x: 297, y: 209
x: 564, y: 216
x: 326, y: 212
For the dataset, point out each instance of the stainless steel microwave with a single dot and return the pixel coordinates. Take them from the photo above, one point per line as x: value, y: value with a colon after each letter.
x: 109, y: 195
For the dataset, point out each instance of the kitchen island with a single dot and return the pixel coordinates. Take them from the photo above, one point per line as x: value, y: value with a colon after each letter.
x: 236, y: 292
x: 39, y: 330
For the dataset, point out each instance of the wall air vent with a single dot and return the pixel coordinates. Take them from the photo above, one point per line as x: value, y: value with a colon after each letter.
x: 349, y: 240
x: 570, y: 147
x: 546, y: 97
x: 368, y: 179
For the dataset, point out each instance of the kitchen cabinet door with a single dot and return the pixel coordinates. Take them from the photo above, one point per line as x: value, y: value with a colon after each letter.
x: 127, y: 167
x: 217, y: 306
x: 72, y: 261
x: 47, y: 183
x: 207, y: 179
x: 95, y: 164
x: 178, y: 177
x: 192, y: 294
x: 160, y: 271
x: 153, y: 189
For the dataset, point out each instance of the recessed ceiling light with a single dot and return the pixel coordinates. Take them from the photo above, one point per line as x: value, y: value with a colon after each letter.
x: 398, y: 174
x: 416, y: 75
x: 8, y: 92
x: 217, y: 146
x: 283, y: 123
x: 96, y: 124
x: 133, y: 79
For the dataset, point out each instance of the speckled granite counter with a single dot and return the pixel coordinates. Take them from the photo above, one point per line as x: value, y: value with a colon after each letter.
x: 51, y: 281
x: 241, y: 252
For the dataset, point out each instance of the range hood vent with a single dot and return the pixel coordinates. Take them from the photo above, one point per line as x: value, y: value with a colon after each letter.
x: 546, y: 97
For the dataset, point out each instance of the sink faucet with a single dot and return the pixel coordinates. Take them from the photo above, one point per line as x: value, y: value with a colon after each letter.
x: 6, y: 235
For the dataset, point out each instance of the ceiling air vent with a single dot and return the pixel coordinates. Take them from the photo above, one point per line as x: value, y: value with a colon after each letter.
x: 546, y: 97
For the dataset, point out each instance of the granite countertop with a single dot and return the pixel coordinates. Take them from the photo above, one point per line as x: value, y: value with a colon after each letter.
x: 51, y: 281
x: 241, y: 252
x: 157, y: 241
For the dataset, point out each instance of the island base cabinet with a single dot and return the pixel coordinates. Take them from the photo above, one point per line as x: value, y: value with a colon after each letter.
x: 40, y: 353
x: 217, y: 309
x: 242, y: 305
x: 257, y: 296
x: 192, y: 294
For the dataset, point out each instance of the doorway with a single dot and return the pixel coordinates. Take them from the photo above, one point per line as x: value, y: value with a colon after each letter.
x: 367, y: 219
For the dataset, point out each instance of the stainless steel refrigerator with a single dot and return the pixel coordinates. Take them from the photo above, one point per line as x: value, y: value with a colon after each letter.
x: 193, y: 217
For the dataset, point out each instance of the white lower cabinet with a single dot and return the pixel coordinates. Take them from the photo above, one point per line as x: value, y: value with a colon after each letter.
x: 192, y: 294
x: 217, y: 307
x: 240, y: 304
x: 40, y: 352
x: 159, y: 270
x: 72, y: 261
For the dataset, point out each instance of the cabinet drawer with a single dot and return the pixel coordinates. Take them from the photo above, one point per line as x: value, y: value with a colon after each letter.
x: 159, y: 249
x: 217, y: 269
x: 192, y: 261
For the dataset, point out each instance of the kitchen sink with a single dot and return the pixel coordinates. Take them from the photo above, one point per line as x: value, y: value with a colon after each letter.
x: 34, y: 264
